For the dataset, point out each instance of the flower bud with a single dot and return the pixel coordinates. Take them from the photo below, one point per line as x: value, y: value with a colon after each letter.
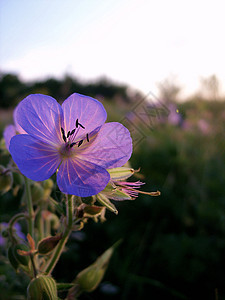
x: 89, y: 278
x: 13, y: 261
x: 37, y: 192
x: 21, y: 259
x: 48, y: 184
x: 48, y: 244
x: 42, y: 287
x: 6, y: 180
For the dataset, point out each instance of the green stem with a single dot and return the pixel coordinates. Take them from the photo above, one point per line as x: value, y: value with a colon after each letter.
x: 58, y: 251
x: 30, y: 207
x: 40, y: 225
x: 33, y: 265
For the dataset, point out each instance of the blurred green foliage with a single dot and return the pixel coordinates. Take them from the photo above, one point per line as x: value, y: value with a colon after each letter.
x: 173, y: 245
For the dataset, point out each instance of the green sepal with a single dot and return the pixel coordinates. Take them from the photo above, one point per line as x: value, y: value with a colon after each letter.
x: 102, y: 199
x: 23, y: 260
x: 121, y: 173
x: 11, y: 257
x: 119, y: 195
x: 43, y: 287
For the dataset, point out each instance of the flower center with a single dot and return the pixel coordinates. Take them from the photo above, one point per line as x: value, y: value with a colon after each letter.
x: 69, y: 140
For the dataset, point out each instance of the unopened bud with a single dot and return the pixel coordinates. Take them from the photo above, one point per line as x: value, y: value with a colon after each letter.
x: 13, y: 261
x: 22, y: 259
x: 42, y: 287
x: 48, y: 184
x: 48, y: 244
x: 37, y: 192
x: 6, y: 180
x: 89, y: 278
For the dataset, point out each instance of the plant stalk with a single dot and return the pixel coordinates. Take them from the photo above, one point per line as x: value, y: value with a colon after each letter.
x: 30, y: 207
x: 59, y: 248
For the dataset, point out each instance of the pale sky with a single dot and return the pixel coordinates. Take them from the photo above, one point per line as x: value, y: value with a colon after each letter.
x: 136, y: 42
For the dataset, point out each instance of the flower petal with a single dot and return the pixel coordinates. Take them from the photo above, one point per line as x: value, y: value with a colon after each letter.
x: 41, y: 116
x: 80, y: 178
x: 89, y: 112
x: 8, y: 133
x: 111, y: 148
x: 35, y: 159
x: 18, y: 127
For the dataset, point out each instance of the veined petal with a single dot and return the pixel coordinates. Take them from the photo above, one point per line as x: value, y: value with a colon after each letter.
x: 89, y: 112
x: 8, y: 133
x: 18, y: 127
x: 35, y: 159
x: 111, y: 148
x: 80, y: 178
x: 41, y: 116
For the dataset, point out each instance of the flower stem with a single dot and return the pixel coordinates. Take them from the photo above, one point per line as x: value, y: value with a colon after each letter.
x: 33, y: 265
x: 58, y: 251
x: 30, y: 207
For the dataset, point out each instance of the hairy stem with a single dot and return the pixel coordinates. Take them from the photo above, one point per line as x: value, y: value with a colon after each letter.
x: 29, y: 207
x: 59, y: 248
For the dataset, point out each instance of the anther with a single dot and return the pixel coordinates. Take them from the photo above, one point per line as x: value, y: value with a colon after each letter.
x: 63, y: 134
x: 68, y: 134
x: 72, y: 132
x: 71, y: 145
x: 77, y: 124
x: 87, y: 137
x: 80, y: 143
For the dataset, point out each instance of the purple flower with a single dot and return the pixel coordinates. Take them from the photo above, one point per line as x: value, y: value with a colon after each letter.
x: 71, y: 138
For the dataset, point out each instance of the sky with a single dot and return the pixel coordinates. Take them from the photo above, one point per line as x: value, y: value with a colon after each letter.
x: 137, y: 42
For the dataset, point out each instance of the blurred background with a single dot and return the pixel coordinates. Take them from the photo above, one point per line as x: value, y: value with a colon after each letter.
x: 158, y: 68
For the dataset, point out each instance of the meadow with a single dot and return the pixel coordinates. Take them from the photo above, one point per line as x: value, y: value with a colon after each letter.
x: 173, y: 245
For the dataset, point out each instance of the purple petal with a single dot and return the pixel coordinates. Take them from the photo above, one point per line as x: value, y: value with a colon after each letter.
x: 80, y: 178
x: 89, y: 112
x: 8, y: 133
x: 111, y: 148
x: 35, y: 159
x: 18, y: 127
x: 41, y: 116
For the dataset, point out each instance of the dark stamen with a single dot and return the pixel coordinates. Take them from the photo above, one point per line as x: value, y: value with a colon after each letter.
x: 81, y: 125
x: 71, y: 145
x: 87, y: 137
x: 63, y: 134
x: 77, y: 123
x: 80, y: 143
x: 68, y: 134
x: 72, y: 132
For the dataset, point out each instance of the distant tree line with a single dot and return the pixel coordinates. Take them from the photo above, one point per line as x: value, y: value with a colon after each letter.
x: 12, y: 89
